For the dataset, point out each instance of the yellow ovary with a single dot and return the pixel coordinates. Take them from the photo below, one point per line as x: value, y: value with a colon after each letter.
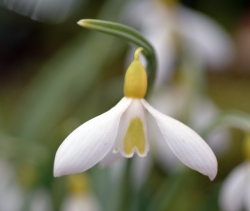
x: 135, y: 85
x: 135, y: 137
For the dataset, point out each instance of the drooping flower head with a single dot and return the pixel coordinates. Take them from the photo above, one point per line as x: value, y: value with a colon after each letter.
x: 173, y: 28
x: 235, y: 191
x: 123, y: 129
x: 79, y: 195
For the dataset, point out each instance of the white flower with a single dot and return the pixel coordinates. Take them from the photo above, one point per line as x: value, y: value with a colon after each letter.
x: 80, y: 202
x: 40, y: 201
x: 123, y: 129
x: 79, y: 197
x: 203, y: 113
x: 235, y: 192
x: 11, y: 194
x: 198, y: 35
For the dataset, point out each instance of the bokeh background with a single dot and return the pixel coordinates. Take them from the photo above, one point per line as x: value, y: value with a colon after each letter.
x: 55, y: 75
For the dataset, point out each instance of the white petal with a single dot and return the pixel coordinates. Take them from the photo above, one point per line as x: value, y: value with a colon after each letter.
x: 90, y: 142
x: 135, y: 111
x: 133, y: 13
x: 205, y: 38
x: 219, y: 140
x: 232, y: 192
x: 186, y: 144
x: 159, y: 148
x: 203, y: 112
x: 170, y: 100
x: 158, y: 28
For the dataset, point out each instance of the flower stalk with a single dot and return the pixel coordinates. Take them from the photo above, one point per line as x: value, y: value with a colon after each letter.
x: 127, y: 34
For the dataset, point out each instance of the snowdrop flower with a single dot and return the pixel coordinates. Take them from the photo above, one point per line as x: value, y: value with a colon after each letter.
x: 235, y: 192
x: 123, y: 129
x: 11, y: 194
x: 169, y: 27
x: 79, y: 196
x: 203, y: 113
x: 41, y: 201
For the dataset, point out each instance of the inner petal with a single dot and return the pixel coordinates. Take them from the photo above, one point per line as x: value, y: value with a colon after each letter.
x: 132, y: 134
x: 135, y: 138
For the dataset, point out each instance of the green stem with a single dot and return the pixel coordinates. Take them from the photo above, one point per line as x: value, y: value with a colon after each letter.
x: 126, y: 188
x: 168, y: 191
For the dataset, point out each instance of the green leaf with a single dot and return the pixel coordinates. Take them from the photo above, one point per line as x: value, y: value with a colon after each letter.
x: 65, y: 79
x: 63, y: 82
x: 128, y: 34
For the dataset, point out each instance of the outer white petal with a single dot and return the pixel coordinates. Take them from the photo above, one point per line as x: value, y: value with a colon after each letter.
x: 186, y: 144
x: 232, y: 192
x: 160, y: 150
x: 90, y: 142
x: 133, y: 13
x: 170, y: 100
x: 203, y: 113
x: 159, y: 27
x: 219, y: 140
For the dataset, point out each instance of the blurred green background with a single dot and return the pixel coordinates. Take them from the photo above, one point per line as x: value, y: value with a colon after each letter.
x: 55, y: 76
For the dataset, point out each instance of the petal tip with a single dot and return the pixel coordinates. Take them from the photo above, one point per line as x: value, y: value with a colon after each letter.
x: 213, y: 174
x: 81, y: 22
x: 56, y: 172
x: 59, y: 169
x: 212, y: 177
